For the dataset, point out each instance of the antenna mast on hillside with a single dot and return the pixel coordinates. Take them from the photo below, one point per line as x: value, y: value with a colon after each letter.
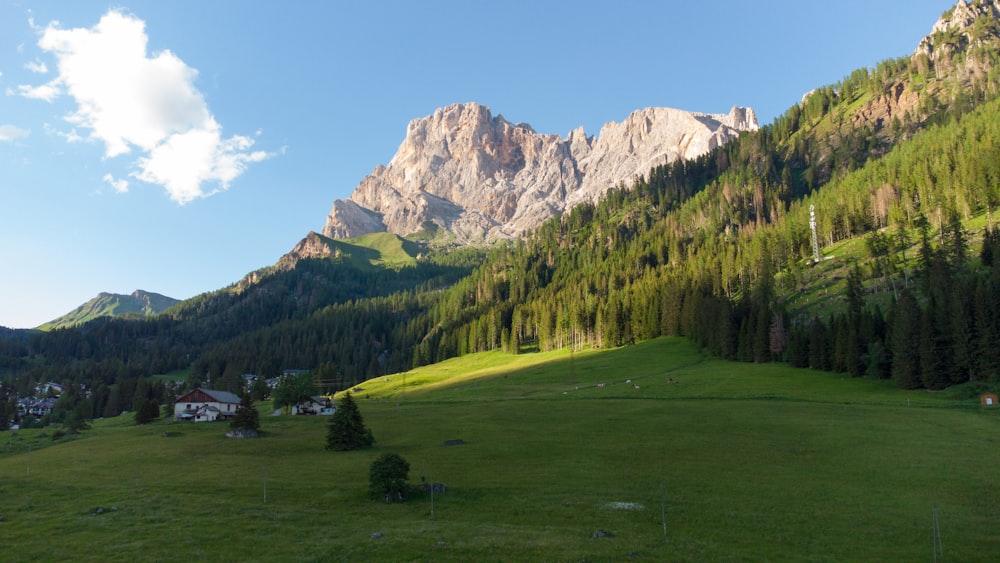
x: 812, y: 227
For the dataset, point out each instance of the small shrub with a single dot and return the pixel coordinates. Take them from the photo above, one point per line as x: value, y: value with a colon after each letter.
x: 387, y: 477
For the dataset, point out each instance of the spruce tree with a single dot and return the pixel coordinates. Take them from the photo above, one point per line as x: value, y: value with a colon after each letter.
x: 247, y: 417
x: 347, y: 429
x: 148, y: 411
x: 904, y: 342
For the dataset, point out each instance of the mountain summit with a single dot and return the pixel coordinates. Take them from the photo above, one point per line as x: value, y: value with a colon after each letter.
x: 968, y: 28
x: 480, y: 177
x: 137, y: 304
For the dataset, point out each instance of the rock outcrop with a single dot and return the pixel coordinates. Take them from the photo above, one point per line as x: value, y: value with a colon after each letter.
x: 481, y: 177
x: 956, y: 56
x: 966, y: 28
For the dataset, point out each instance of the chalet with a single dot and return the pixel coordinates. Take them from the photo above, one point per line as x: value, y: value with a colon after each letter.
x: 206, y: 405
x: 315, y: 405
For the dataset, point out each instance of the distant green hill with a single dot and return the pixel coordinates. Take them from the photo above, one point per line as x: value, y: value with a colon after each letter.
x: 139, y: 303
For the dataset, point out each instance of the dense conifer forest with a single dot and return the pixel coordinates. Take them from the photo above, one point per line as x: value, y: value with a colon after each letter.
x: 718, y: 249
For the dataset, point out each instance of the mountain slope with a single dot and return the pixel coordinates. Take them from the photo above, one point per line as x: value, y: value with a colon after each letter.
x: 694, y: 248
x: 691, y: 249
x: 139, y: 303
x: 481, y: 177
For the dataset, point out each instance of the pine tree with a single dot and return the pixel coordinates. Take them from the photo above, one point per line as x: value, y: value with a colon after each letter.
x: 247, y: 417
x: 933, y: 367
x: 148, y: 411
x: 904, y: 340
x: 347, y: 429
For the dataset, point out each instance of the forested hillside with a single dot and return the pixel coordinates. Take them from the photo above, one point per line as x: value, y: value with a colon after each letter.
x: 897, y: 161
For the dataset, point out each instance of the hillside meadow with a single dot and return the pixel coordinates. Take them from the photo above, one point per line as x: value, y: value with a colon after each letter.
x: 561, y: 458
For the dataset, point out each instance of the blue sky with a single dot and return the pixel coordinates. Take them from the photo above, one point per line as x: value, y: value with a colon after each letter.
x: 177, y: 146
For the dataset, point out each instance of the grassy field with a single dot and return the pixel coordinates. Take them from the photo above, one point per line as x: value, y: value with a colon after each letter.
x: 705, y: 461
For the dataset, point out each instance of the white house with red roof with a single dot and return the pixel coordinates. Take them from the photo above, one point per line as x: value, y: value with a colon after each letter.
x: 206, y: 405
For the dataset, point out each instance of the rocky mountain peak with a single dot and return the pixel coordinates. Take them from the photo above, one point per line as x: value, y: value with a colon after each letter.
x: 481, y: 177
x: 966, y: 24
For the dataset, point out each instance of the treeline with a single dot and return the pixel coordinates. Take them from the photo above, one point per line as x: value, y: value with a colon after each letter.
x: 708, y: 249
x: 939, y: 330
x: 253, y: 329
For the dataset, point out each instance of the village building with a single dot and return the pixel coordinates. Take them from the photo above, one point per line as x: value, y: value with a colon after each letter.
x: 314, y: 406
x: 206, y: 405
x: 48, y: 388
x: 42, y: 407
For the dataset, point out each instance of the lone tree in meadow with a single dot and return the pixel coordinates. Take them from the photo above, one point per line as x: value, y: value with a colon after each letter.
x: 347, y: 429
x: 387, y: 477
x: 149, y: 411
x: 247, y: 417
x: 293, y: 390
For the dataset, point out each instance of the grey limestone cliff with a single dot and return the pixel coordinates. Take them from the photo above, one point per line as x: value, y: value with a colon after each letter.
x: 480, y: 177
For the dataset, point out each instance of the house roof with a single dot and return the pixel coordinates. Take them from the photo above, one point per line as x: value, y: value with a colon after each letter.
x: 222, y: 396
x: 213, y: 394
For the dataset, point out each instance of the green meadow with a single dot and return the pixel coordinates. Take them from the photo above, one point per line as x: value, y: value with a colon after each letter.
x: 561, y: 459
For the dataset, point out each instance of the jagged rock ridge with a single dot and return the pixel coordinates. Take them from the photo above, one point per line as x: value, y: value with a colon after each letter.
x: 481, y: 177
x: 970, y: 29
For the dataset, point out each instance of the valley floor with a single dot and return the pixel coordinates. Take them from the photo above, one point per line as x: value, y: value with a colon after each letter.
x: 651, y: 452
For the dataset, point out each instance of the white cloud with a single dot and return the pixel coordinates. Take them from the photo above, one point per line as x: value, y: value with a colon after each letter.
x: 47, y: 92
x: 120, y: 185
x: 70, y: 136
x: 36, y: 66
x: 130, y: 101
x: 11, y: 133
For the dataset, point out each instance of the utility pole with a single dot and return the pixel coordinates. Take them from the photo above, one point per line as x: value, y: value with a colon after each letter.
x: 938, y: 548
x: 663, y: 510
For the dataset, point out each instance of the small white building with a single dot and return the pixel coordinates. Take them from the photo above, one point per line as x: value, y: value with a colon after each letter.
x: 206, y: 405
x: 314, y: 406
